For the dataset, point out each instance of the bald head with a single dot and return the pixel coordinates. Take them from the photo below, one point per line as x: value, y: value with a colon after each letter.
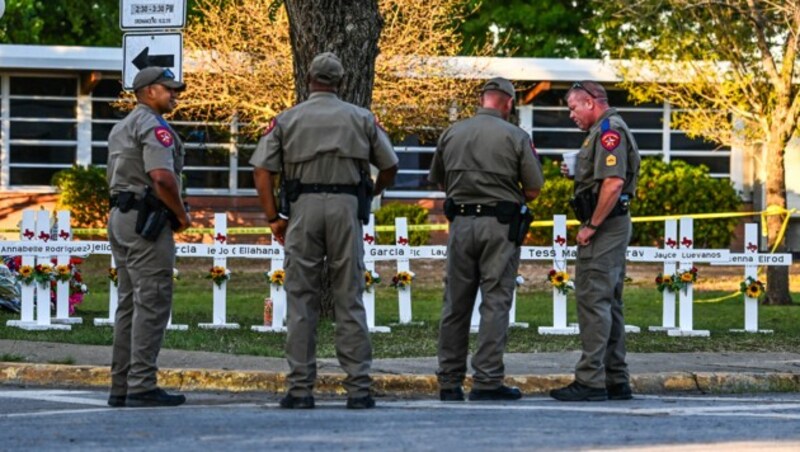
x: 588, y: 90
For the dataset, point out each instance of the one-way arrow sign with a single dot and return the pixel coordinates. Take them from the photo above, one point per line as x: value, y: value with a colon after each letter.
x: 143, y: 60
x: 141, y: 50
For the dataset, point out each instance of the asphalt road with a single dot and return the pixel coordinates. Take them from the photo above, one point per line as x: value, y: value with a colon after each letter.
x: 49, y: 419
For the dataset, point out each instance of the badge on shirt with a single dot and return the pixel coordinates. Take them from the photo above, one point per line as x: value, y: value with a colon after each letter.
x: 610, y: 140
x: 585, y: 142
x: 270, y: 127
x: 611, y: 160
x: 163, y: 136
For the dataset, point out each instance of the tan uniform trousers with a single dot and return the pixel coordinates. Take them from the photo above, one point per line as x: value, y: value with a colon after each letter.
x: 599, y: 279
x: 479, y: 254
x: 144, y: 275
x: 325, y: 225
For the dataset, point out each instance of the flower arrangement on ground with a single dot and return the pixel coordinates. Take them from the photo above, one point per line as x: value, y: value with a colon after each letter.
x: 664, y: 282
x: 753, y: 288
x: 219, y: 275
x: 402, y: 280
x: 560, y: 281
x: 371, y: 278
x: 276, y: 277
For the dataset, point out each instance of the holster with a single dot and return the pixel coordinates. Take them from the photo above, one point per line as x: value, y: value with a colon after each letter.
x: 583, y: 204
x: 289, y: 192
x: 366, y: 188
x: 525, y: 218
x: 450, y: 209
x: 124, y: 201
x: 153, y: 215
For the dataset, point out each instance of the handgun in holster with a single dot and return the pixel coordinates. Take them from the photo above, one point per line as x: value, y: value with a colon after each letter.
x: 366, y: 189
x: 288, y: 192
x: 153, y: 215
x: 583, y: 204
x: 518, y: 217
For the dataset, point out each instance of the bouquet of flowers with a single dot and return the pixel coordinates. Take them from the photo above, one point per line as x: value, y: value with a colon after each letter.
x: 683, y: 278
x: 25, y: 274
x: 371, y: 278
x: 560, y: 281
x: 276, y: 277
x: 219, y: 275
x: 664, y: 282
x: 43, y: 274
x: 402, y: 280
x: 753, y: 288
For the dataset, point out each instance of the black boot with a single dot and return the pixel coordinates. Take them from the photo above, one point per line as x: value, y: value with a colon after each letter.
x: 156, y: 397
x: 501, y: 393
x: 577, y: 392
x: 452, y: 394
x: 297, y: 403
x: 116, y: 401
x: 620, y: 391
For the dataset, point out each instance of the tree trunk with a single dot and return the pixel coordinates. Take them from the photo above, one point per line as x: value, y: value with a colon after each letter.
x: 777, y: 277
x: 350, y: 29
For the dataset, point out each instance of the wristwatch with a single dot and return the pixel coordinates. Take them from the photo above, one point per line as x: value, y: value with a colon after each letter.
x: 591, y: 226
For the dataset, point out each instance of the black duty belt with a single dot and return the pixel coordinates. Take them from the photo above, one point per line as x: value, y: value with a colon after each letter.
x: 475, y: 210
x: 329, y: 188
x: 617, y: 211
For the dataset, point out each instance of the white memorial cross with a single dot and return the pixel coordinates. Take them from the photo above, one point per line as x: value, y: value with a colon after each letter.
x: 63, y: 234
x: 686, y: 295
x: 27, y: 234
x: 220, y: 252
x: 369, y: 240
x: 670, y: 267
x: 278, y: 295
x: 560, y: 326
x: 403, y: 253
x: 43, y: 290
x: 751, y: 259
x: 113, y: 301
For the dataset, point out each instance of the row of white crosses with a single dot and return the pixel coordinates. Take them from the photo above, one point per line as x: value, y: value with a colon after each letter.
x: 676, y: 255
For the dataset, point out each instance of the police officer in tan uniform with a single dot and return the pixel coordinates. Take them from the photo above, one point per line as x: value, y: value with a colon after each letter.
x: 489, y: 169
x: 322, y: 148
x: 606, y: 173
x: 144, y: 166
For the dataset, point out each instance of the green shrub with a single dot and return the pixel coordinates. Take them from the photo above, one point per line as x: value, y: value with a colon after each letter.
x: 84, y: 192
x: 415, y: 215
x: 680, y: 188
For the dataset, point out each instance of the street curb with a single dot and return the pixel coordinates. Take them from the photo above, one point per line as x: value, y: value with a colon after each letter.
x: 389, y: 385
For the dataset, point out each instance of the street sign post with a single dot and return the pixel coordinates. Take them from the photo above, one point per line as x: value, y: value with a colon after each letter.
x: 141, y: 50
x: 152, y: 14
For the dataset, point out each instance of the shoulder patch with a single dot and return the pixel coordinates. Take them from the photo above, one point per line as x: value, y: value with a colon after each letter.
x: 610, y: 140
x: 611, y: 160
x: 270, y: 127
x: 605, y: 125
x: 164, y: 136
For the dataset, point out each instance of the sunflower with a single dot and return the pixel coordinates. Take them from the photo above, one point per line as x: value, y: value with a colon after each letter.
x: 26, y: 271
x: 277, y: 277
x: 687, y: 277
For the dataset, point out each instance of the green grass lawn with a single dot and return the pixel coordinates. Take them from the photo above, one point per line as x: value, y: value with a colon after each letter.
x: 193, y: 305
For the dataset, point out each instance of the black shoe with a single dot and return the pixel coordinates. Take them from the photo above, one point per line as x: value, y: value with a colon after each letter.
x: 577, y: 392
x: 360, y: 403
x: 501, y: 393
x: 620, y: 391
x: 297, y: 403
x: 156, y: 397
x: 452, y: 394
x: 116, y: 401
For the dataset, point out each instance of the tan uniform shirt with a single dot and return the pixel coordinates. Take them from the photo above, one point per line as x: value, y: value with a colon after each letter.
x: 324, y: 140
x: 609, y: 150
x: 138, y: 144
x: 486, y: 159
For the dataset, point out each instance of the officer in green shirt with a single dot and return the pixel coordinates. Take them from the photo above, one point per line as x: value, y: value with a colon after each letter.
x: 606, y: 172
x: 488, y: 168
x: 322, y: 148
x: 145, y: 160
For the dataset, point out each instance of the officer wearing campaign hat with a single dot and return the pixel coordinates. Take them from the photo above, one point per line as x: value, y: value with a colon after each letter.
x: 145, y: 160
x: 322, y: 149
x: 488, y: 169
x: 606, y: 174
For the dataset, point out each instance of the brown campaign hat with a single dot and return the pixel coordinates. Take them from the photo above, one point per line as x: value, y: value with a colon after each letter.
x: 154, y: 74
x: 326, y: 68
x: 499, y: 84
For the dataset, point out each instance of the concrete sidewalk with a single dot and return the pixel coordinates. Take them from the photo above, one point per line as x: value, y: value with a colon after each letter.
x: 532, y: 372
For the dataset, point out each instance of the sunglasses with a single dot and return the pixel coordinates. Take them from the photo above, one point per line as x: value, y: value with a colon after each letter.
x: 170, y: 75
x: 578, y: 85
